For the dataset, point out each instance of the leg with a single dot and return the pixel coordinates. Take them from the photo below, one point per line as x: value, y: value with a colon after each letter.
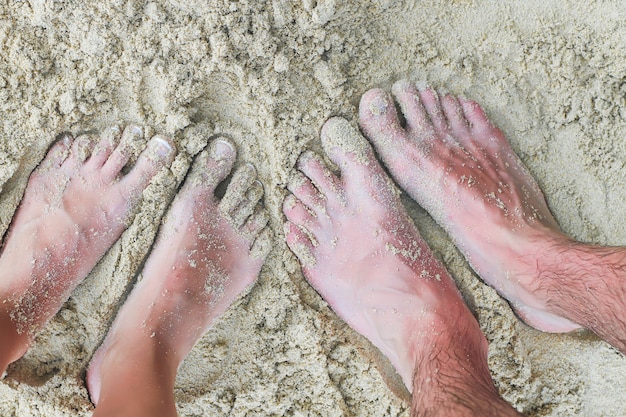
x: 363, y: 254
x: 207, y: 253
x: 76, y: 205
x: 459, y: 167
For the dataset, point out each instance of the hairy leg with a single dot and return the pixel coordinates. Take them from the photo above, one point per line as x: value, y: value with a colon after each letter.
x: 208, y: 252
x: 360, y: 250
x: 453, y: 161
x: 76, y: 205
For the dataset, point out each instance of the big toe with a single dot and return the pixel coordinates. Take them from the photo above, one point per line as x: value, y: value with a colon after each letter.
x: 344, y: 145
x: 379, y: 118
x: 216, y: 162
x: 347, y: 148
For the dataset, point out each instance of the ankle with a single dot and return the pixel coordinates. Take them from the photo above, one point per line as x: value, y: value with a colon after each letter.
x: 453, y: 379
x: 587, y: 284
x: 136, y: 378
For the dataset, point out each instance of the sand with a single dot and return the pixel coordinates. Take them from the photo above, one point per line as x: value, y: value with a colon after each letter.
x: 267, y: 74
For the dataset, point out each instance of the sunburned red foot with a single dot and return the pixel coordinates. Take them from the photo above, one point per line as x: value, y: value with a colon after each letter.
x: 76, y: 205
x: 208, y: 252
x: 454, y: 162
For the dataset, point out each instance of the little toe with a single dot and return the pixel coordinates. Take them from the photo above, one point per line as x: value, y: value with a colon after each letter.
x: 300, y: 244
x: 250, y: 199
x: 108, y: 141
x: 323, y: 178
x: 57, y: 153
x: 159, y: 152
x: 417, y: 121
x: 121, y: 154
x: 235, y: 195
x: 305, y: 191
x: 297, y: 213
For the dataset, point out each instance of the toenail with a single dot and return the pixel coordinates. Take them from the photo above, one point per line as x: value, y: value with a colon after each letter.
x: 66, y: 139
x: 378, y: 106
x: 250, y: 168
x: 421, y: 86
x: 290, y: 202
x: 306, y: 157
x: 136, y: 130
x: 222, y: 149
x: 162, y: 146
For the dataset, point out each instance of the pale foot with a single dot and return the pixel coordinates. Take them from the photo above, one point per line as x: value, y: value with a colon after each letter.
x: 76, y: 205
x: 208, y: 252
x: 461, y: 169
x: 363, y: 254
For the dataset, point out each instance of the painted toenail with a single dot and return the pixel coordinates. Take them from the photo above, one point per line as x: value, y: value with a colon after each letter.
x: 162, y: 146
x: 379, y: 106
x: 222, y: 149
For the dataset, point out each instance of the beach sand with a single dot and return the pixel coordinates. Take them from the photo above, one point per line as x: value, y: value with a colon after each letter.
x: 550, y: 74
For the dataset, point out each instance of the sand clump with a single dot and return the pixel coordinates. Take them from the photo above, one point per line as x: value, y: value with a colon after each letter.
x: 267, y: 74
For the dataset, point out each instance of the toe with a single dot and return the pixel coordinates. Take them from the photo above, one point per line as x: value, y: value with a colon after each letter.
x: 344, y: 145
x: 235, y: 195
x: 297, y: 213
x: 316, y: 170
x: 108, y: 141
x: 300, y: 244
x: 355, y: 157
x: 481, y: 128
x: 215, y: 163
x: 432, y: 104
x: 255, y: 223
x: 80, y: 151
x: 57, y: 153
x: 379, y: 119
x: 456, y: 118
x: 262, y: 244
x: 382, y: 127
x: 250, y: 199
x: 121, y: 154
x: 418, y: 123
x: 159, y: 152
x: 306, y: 192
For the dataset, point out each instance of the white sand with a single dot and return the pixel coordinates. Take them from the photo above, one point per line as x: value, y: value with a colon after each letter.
x: 550, y: 73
